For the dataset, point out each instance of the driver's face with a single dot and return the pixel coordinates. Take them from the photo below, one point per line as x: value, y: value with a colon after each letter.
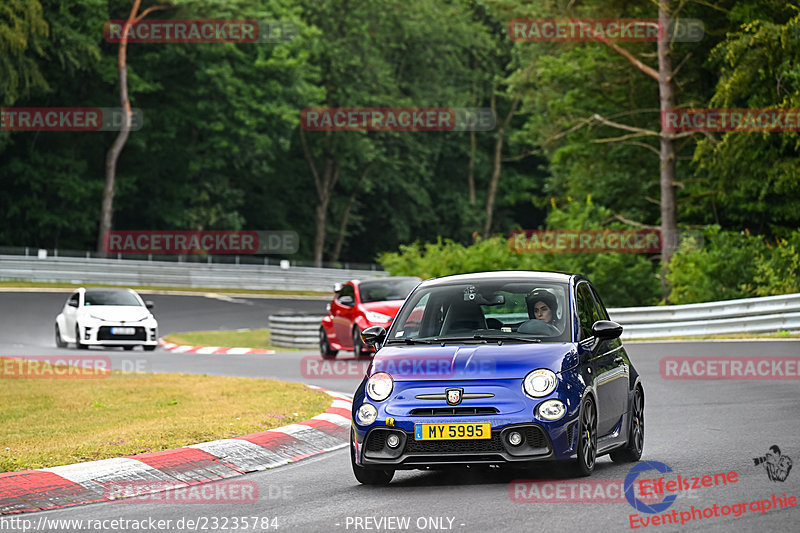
x: 542, y: 311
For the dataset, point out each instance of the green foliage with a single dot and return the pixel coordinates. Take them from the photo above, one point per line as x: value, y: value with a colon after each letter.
x: 622, y: 279
x: 728, y: 265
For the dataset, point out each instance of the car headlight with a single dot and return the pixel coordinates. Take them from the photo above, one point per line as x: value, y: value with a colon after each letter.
x: 540, y: 383
x: 380, y: 386
x: 377, y: 317
x: 366, y: 414
x: 552, y: 409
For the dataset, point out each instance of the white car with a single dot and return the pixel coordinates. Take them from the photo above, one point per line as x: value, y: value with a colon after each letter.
x: 107, y: 317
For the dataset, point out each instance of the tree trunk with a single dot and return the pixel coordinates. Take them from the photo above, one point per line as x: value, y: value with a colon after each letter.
x: 667, y: 153
x: 324, y: 186
x: 498, y: 165
x: 337, y: 249
x: 107, y: 209
x: 471, y: 167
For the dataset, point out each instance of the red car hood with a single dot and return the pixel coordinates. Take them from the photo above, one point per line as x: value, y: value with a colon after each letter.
x: 390, y: 307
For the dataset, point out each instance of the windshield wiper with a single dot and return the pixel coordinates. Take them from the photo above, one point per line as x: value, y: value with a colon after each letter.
x: 506, y: 338
x: 409, y: 340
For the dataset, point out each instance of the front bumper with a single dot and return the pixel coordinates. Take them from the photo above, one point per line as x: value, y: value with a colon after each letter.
x: 100, y: 334
x: 411, y: 453
x: 508, y: 410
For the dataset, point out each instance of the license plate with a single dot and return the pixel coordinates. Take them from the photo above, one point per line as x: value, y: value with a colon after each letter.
x: 481, y: 430
x: 123, y: 331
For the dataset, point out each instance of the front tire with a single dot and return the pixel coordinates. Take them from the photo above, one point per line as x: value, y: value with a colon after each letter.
x: 60, y: 342
x: 368, y: 476
x: 148, y: 348
x: 587, y: 439
x: 632, y: 452
x: 325, y: 346
x: 358, y: 345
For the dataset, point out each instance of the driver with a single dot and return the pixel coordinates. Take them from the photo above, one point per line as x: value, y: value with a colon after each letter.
x: 542, y: 305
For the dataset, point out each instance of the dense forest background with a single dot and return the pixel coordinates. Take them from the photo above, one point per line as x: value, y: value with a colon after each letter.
x: 576, y: 146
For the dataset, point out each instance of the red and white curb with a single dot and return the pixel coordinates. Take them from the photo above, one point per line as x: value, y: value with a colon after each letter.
x: 210, y: 350
x: 63, y: 486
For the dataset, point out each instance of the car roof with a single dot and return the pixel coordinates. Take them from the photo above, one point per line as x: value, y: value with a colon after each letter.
x: 506, y: 275
x: 107, y: 289
x: 385, y: 279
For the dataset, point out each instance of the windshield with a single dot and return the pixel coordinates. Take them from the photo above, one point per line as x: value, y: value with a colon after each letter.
x: 386, y: 289
x: 110, y: 298
x: 516, y: 311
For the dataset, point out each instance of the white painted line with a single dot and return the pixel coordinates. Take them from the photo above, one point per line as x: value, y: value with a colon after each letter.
x: 182, y: 349
x: 108, y: 470
x: 339, y: 420
x: 238, y: 351
x: 343, y: 404
x: 208, y: 349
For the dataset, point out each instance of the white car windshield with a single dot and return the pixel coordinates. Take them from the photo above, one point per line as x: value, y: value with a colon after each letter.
x: 496, y: 310
x: 110, y: 297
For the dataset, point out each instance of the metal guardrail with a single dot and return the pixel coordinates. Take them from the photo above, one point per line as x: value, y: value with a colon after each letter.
x: 748, y: 315
x: 294, y: 331
x: 752, y: 315
x: 171, y: 274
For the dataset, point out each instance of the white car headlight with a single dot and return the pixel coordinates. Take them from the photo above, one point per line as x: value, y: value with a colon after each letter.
x: 366, y: 414
x: 540, y: 383
x: 377, y: 317
x: 552, y: 409
x: 380, y: 386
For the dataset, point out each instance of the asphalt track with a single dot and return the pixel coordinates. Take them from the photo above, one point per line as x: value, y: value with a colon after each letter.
x: 695, y: 427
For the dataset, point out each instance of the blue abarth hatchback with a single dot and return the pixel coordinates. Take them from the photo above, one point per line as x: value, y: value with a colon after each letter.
x: 497, y: 368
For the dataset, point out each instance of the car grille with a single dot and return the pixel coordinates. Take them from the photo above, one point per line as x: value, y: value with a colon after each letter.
x: 456, y: 446
x: 376, y: 441
x: 454, y: 411
x: 104, y: 334
x: 534, y: 437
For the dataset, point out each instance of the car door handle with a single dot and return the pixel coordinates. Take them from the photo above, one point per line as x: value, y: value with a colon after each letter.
x: 619, y: 360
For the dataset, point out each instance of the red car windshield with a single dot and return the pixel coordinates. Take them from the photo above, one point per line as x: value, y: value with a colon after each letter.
x: 385, y: 290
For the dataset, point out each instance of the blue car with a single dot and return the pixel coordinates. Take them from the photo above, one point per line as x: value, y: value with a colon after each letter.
x: 497, y: 368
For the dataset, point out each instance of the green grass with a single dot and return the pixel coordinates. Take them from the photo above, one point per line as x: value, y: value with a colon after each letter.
x: 50, y: 422
x: 157, y: 289
x: 243, y: 338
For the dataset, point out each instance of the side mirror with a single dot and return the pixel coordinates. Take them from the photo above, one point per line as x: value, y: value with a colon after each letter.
x: 373, y: 335
x: 72, y: 303
x: 148, y: 304
x: 606, y: 329
x: 347, y: 301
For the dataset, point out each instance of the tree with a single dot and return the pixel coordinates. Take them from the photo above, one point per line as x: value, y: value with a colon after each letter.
x: 107, y: 209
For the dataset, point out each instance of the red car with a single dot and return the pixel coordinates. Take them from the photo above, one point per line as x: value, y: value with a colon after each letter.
x: 358, y: 305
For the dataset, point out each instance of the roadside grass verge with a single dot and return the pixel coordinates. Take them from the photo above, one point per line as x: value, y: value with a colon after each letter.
x: 50, y: 422
x: 152, y: 289
x: 240, y: 338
